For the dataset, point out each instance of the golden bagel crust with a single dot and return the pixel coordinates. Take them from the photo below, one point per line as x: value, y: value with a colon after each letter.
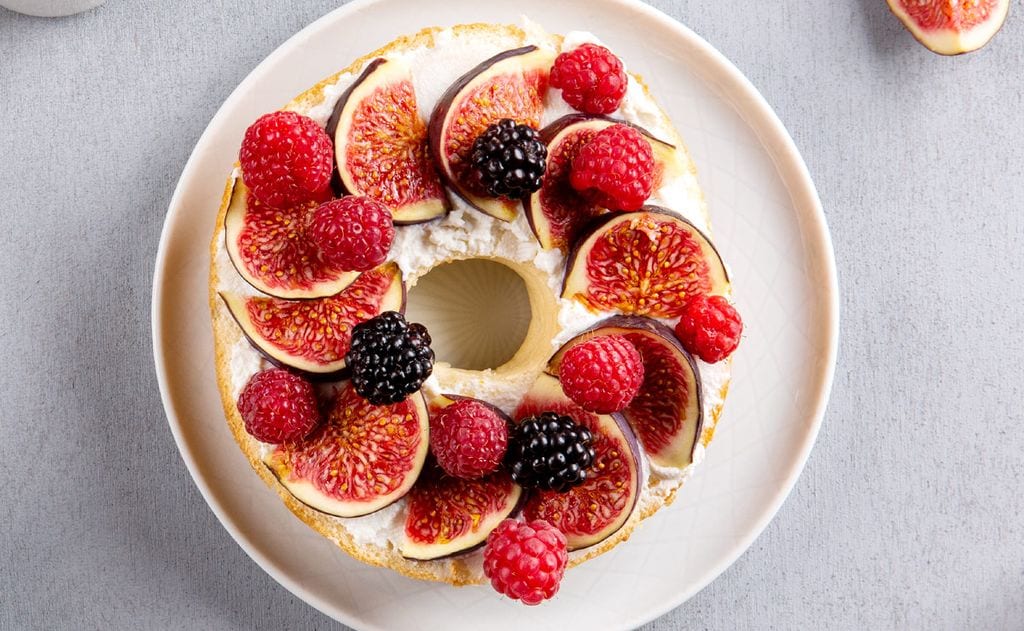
x: 227, y: 334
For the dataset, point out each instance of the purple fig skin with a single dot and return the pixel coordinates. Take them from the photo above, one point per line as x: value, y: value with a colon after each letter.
x: 528, y: 208
x: 314, y: 508
x: 453, y: 555
x: 332, y: 127
x: 601, y: 221
x: 639, y: 323
x: 634, y: 450
x: 494, y: 408
x: 633, y: 322
x: 231, y: 202
x: 556, y: 127
x: 435, y: 127
x: 332, y: 123
x: 405, y: 298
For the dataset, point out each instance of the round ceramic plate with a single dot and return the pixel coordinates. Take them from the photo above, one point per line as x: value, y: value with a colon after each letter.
x: 767, y: 222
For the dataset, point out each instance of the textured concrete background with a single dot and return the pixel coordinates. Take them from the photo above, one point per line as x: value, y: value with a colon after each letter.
x: 909, y: 514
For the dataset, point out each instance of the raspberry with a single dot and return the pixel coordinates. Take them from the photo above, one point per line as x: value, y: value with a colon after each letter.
x: 287, y: 159
x: 709, y: 328
x: 468, y: 439
x: 354, y: 233
x: 278, y: 407
x: 602, y: 374
x: 615, y: 169
x: 592, y: 79
x: 525, y: 560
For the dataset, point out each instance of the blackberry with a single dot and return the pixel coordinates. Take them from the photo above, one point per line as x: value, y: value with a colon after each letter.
x: 550, y: 452
x: 509, y: 159
x: 390, y: 358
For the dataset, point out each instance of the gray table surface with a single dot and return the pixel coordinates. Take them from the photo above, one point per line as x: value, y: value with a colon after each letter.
x: 909, y: 513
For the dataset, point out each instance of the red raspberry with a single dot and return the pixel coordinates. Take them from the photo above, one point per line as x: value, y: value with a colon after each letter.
x: 287, y: 159
x: 709, y: 328
x: 592, y: 79
x: 354, y: 233
x: 615, y: 169
x: 278, y: 407
x: 602, y: 374
x: 525, y: 560
x: 469, y: 439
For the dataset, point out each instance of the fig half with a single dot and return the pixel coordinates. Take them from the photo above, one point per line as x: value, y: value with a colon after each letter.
x: 269, y: 248
x: 380, y: 145
x: 595, y: 510
x: 557, y: 212
x: 313, y: 336
x: 666, y: 414
x: 647, y: 262
x: 509, y: 85
x: 950, y: 27
x: 446, y: 515
x: 364, y: 457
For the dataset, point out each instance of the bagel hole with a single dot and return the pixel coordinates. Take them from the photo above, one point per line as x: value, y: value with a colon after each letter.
x: 477, y: 312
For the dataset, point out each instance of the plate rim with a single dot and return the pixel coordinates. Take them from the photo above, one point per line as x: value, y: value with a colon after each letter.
x: 791, y: 169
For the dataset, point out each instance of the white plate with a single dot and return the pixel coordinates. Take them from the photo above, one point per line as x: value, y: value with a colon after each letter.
x: 768, y: 224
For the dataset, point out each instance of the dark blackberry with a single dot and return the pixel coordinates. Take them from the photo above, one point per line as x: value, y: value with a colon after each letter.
x: 390, y: 358
x: 550, y: 452
x: 509, y: 159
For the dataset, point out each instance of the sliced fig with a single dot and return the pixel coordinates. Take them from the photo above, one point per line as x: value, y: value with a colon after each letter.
x: 509, y: 85
x: 314, y: 335
x: 446, y: 515
x: 951, y: 28
x: 363, y: 458
x: 269, y: 248
x: 557, y: 213
x: 380, y: 144
x: 595, y: 510
x: 666, y: 414
x: 646, y: 262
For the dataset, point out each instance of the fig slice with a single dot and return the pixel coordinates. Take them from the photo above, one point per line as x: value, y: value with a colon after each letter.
x: 446, y: 515
x: 557, y: 213
x: 595, y: 510
x: 666, y: 415
x: 314, y: 335
x: 646, y: 262
x: 269, y: 248
x: 951, y: 28
x: 363, y: 458
x: 509, y: 85
x: 380, y: 145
